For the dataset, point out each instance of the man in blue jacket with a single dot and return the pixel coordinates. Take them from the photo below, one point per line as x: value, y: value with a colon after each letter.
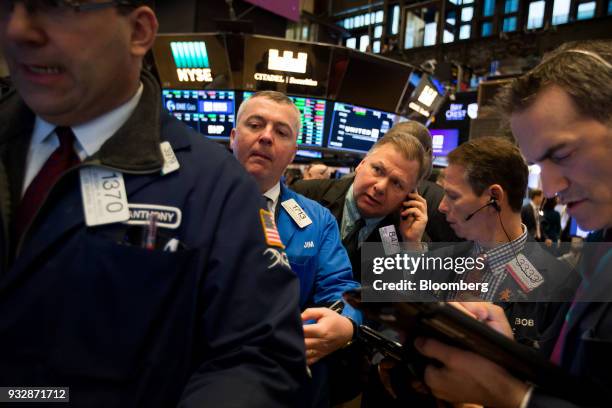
x: 265, y: 142
x: 137, y: 267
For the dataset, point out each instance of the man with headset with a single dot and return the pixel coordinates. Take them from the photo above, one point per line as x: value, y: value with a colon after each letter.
x: 484, y: 186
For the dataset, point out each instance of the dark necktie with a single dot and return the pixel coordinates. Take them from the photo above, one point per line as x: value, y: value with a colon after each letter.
x: 62, y: 159
x: 351, y: 244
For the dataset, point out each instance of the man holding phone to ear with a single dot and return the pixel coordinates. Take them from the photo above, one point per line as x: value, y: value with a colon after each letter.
x: 379, y: 203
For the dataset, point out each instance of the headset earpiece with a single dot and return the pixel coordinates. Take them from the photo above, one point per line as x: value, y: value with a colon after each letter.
x: 493, y: 203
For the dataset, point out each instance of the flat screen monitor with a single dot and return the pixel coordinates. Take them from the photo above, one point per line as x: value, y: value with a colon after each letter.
x: 576, y: 231
x: 356, y: 128
x: 427, y: 97
x: 443, y: 141
x: 208, y: 112
x: 312, y: 111
x: 312, y: 154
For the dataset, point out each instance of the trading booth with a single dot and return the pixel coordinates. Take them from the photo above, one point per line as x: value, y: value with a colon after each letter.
x: 348, y: 99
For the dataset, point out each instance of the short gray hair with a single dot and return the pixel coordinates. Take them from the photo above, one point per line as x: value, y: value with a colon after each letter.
x: 274, y: 96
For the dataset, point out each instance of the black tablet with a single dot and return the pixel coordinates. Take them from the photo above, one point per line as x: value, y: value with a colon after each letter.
x: 445, y: 323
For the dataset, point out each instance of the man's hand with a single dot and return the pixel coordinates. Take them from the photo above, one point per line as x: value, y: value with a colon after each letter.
x: 469, y: 378
x: 415, y: 211
x: 330, y: 332
x: 488, y: 313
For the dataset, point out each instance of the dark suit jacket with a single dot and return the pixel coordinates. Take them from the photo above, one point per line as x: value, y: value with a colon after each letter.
x: 529, y: 219
x: 588, y: 344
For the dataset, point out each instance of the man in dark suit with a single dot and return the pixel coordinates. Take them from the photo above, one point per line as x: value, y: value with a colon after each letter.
x: 379, y: 203
x: 530, y: 213
x: 562, y: 121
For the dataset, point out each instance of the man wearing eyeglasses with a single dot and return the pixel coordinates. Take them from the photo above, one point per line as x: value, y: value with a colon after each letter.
x: 137, y: 260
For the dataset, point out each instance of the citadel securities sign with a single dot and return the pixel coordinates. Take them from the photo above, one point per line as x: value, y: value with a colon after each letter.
x: 286, y: 63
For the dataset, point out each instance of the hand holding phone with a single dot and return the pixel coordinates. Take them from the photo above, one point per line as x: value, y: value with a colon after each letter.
x: 413, y: 217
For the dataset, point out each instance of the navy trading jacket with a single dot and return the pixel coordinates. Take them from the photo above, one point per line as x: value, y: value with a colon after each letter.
x: 209, y: 317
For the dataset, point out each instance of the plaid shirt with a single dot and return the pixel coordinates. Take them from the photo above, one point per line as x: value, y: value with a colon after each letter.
x: 495, y: 260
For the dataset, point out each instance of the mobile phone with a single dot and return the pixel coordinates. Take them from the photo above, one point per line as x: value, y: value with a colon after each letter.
x: 405, y: 217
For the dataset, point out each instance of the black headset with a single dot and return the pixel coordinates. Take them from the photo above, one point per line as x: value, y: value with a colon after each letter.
x: 492, y: 202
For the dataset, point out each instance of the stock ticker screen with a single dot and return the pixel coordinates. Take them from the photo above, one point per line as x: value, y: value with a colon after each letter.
x: 356, y: 128
x: 208, y: 112
x: 312, y: 111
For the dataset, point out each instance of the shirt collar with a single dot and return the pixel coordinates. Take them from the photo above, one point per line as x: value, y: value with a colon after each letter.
x: 92, y: 135
x: 351, y: 214
x: 273, y: 194
x: 502, y: 254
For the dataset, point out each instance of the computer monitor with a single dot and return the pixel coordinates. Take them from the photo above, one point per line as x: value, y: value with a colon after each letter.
x: 443, y: 141
x: 576, y: 231
x: 208, y: 112
x: 312, y: 111
x: 311, y: 154
x: 355, y: 128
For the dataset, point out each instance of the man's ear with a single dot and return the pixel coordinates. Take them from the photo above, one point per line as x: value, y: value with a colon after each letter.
x: 144, y: 27
x: 295, y: 149
x: 497, y: 192
x: 232, y: 138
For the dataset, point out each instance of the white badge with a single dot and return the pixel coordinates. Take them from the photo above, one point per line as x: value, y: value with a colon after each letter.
x: 170, y: 161
x: 389, y: 239
x: 295, y: 211
x: 104, y: 196
x: 524, y: 273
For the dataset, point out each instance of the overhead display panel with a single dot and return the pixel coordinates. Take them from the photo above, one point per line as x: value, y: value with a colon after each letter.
x: 355, y: 128
x: 208, y: 112
x: 369, y: 80
x: 290, y: 67
x: 192, y: 61
x: 286, y: 8
x: 427, y: 97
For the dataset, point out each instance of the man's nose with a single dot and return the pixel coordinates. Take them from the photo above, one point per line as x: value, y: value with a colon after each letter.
x: 266, y: 136
x: 380, y: 186
x: 553, y: 181
x: 443, y: 208
x: 23, y: 26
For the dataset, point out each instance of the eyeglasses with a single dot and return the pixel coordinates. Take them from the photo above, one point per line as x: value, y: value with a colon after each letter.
x: 59, y: 7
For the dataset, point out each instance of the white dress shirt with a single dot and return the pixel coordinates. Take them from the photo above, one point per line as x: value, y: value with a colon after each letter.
x: 89, y: 136
x: 273, y: 196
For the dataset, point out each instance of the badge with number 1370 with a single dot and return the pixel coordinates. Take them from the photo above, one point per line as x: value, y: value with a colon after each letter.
x: 104, y: 196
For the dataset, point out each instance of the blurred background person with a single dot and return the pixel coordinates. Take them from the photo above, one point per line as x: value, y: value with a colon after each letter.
x: 316, y: 171
x: 531, y: 215
x: 550, y: 224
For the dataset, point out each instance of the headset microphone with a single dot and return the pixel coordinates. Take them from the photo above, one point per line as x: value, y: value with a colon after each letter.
x: 492, y: 202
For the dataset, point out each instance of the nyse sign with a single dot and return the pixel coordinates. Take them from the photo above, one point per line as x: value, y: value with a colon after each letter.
x: 194, y: 74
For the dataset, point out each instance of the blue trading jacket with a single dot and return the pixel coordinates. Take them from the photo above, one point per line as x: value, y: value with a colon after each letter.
x: 214, y: 323
x: 316, y: 254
